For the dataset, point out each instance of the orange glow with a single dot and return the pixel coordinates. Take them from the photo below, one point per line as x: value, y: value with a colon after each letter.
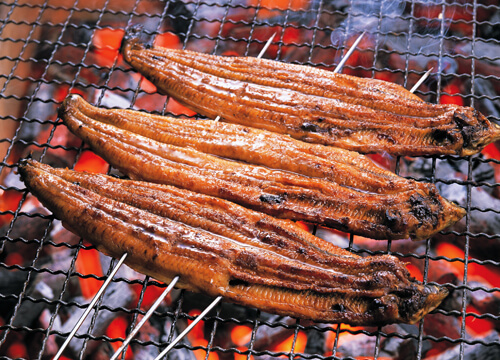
x: 487, y: 273
x: 118, y: 329
x: 87, y: 263
x: 452, y: 95
x: 17, y: 350
x: 200, y: 354
x: 107, y: 45
x: 241, y: 335
x: 483, y: 273
x: 264, y: 5
x: 230, y: 53
x: 150, y: 295
x: 307, y: 227
x: 92, y: 163
x: 475, y: 325
x: 331, y: 335
x: 168, y: 40
x: 415, y: 272
x: 452, y: 252
x: 242, y: 356
x: 198, y: 331
x: 176, y: 108
x: 14, y: 258
x: 286, y: 345
x: 147, y: 86
x: 9, y: 200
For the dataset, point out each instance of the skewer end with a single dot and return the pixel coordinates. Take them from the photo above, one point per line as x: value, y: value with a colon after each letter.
x: 132, y: 39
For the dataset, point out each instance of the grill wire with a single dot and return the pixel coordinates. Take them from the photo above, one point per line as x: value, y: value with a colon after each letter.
x: 328, y: 26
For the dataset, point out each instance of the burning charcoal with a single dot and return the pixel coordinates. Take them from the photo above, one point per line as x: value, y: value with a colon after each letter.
x: 454, y: 300
x: 401, y: 347
x: 51, y: 346
x: 116, y: 295
x: 485, y: 302
x: 168, y: 335
x: 475, y: 351
x: 24, y: 237
x: 484, y: 88
x: 147, y: 333
x: 267, y: 335
x: 316, y: 340
x: 43, y: 285
x: 42, y: 108
x: 356, y: 344
x: 11, y: 282
x: 491, y: 28
x: 180, y: 16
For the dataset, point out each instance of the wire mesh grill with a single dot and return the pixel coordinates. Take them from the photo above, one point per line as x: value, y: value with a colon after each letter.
x: 49, y: 49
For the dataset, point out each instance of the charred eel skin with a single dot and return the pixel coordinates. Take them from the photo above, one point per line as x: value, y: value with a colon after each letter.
x: 416, y: 212
x: 312, y: 105
x: 220, y: 248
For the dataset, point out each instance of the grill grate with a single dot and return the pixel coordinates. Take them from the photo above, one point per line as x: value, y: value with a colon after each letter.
x: 51, y: 48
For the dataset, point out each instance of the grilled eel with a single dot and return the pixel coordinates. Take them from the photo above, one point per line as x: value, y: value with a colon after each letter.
x: 220, y: 248
x: 250, y: 145
x: 312, y: 105
x: 417, y: 212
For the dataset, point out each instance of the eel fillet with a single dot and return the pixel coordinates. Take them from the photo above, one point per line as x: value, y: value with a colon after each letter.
x: 220, y: 248
x: 250, y: 145
x: 312, y: 105
x: 417, y: 212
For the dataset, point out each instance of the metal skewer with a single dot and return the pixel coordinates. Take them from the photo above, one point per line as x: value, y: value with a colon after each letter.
x: 145, y: 318
x: 90, y: 307
x: 422, y: 79
x: 188, y: 329
x: 348, y: 54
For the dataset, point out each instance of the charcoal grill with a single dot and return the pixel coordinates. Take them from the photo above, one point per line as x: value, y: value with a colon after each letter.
x: 48, y: 49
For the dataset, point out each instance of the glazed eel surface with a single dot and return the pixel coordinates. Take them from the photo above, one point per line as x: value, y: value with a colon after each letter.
x: 312, y: 105
x: 220, y: 248
x: 416, y: 211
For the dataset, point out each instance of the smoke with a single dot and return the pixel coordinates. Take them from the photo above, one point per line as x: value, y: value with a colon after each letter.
x: 370, y: 16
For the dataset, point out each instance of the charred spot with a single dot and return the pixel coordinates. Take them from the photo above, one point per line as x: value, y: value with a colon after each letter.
x: 377, y: 304
x: 156, y: 57
x: 246, y: 260
x: 301, y: 251
x: 333, y: 132
x: 386, y: 137
x: 280, y: 243
x: 271, y: 199
x: 153, y: 258
x: 463, y: 123
x: 441, y: 136
x: 77, y: 183
x: 267, y: 239
x: 391, y: 219
x: 320, y: 119
x: 338, y: 308
x: 238, y: 282
x: 408, y: 306
x: 310, y: 127
x: 421, y: 210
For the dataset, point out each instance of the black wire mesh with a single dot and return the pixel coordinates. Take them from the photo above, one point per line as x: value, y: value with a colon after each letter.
x: 49, y: 49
